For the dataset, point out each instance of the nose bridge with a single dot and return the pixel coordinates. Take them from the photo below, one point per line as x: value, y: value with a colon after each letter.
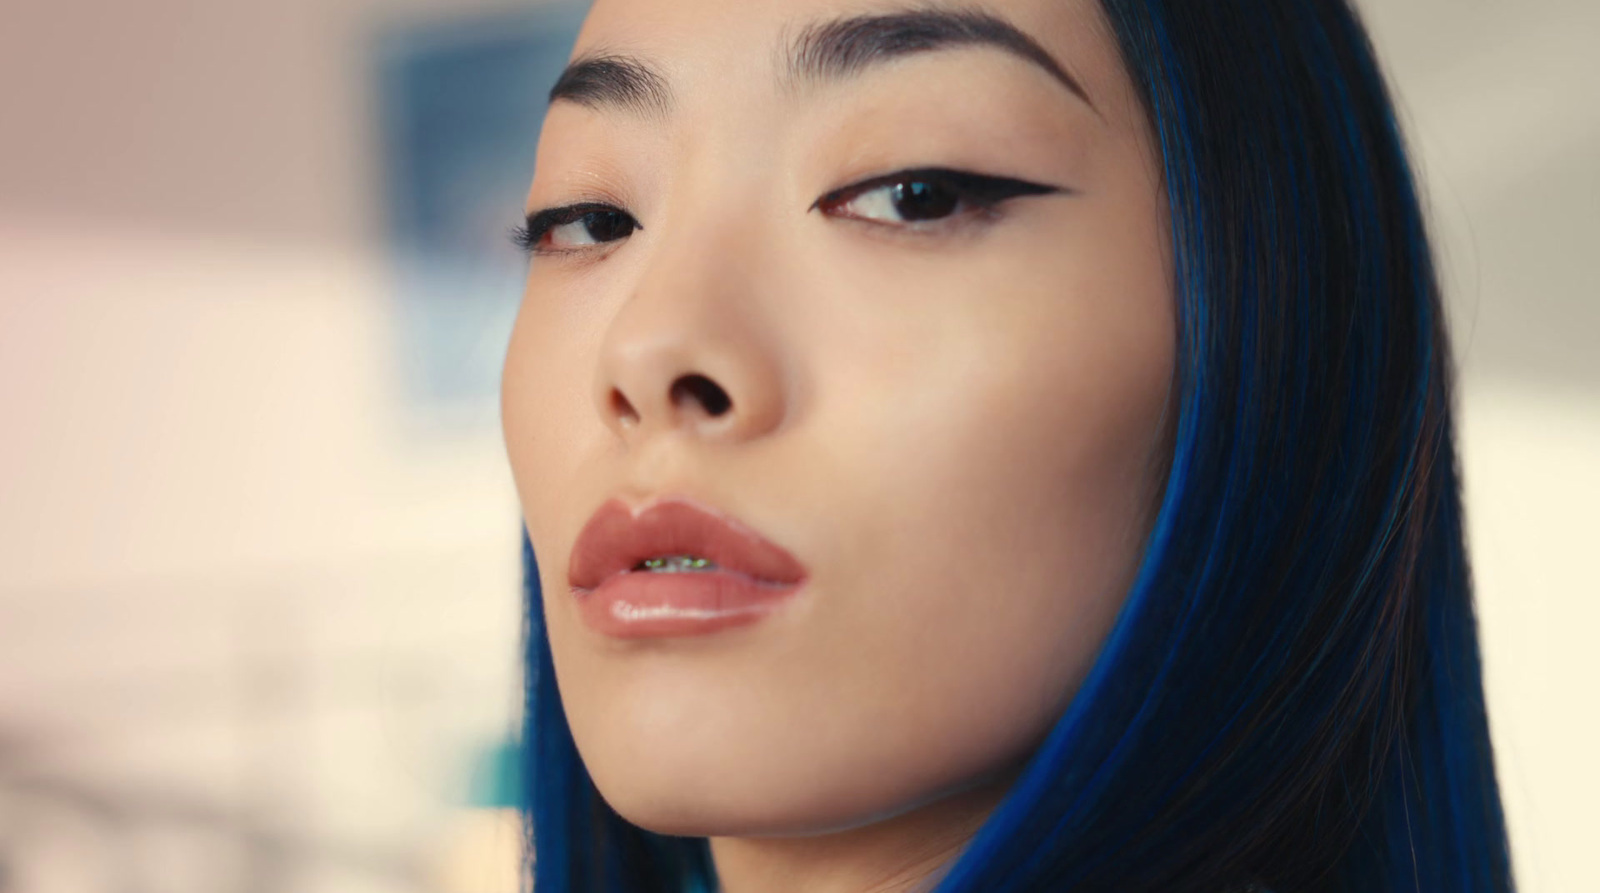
x: 691, y: 348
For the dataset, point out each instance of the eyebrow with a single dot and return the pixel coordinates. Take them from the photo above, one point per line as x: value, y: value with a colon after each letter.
x: 613, y: 80
x: 846, y: 47
x: 826, y: 51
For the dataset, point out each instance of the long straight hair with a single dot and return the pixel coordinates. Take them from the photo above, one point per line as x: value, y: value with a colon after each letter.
x: 1291, y: 697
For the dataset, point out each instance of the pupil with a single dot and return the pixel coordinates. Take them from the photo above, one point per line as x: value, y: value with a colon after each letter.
x: 921, y: 200
x: 607, y: 226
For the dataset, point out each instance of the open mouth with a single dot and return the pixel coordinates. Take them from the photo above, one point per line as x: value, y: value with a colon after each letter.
x: 674, y: 536
x: 677, y: 568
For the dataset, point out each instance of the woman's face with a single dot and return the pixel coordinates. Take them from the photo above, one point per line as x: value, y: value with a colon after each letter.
x: 943, y: 392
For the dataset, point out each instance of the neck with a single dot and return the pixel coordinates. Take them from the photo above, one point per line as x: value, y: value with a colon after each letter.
x: 908, y: 853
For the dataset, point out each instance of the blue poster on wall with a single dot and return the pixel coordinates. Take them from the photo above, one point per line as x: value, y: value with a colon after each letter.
x: 460, y: 106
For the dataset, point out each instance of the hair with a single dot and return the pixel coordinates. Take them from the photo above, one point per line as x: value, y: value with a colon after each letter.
x: 1291, y: 697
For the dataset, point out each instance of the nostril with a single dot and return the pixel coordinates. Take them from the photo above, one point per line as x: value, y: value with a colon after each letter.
x: 622, y: 408
x: 703, y: 390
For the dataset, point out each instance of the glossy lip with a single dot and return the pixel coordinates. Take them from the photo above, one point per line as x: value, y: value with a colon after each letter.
x: 752, y: 576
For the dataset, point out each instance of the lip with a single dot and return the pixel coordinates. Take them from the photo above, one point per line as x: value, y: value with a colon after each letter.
x: 753, y: 575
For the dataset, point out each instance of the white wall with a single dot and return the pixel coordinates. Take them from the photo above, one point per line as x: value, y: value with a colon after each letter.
x: 1499, y: 100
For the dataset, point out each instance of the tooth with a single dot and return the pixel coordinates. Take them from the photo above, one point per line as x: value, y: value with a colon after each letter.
x: 675, y: 564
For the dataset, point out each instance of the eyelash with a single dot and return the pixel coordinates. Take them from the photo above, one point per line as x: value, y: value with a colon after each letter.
x: 978, y: 193
x: 530, y: 234
x: 974, y: 193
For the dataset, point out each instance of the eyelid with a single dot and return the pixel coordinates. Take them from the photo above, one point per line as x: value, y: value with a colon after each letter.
x: 980, y: 190
x: 538, y: 224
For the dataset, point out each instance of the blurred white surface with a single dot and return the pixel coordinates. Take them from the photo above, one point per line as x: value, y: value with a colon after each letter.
x: 237, y: 590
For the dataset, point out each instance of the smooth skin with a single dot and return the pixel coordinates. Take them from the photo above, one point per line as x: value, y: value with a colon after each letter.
x: 956, y: 418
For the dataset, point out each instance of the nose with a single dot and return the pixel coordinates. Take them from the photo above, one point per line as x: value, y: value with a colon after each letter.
x: 694, y: 349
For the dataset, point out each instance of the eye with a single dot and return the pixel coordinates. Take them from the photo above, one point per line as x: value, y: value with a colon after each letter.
x: 923, y: 195
x: 573, y: 228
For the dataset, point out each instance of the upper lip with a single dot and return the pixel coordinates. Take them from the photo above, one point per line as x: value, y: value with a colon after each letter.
x: 615, y: 540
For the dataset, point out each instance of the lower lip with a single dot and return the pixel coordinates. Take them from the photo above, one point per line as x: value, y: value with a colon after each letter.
x: 642, y: 604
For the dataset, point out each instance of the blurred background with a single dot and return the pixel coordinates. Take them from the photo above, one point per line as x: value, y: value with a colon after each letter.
x: 259, y: 611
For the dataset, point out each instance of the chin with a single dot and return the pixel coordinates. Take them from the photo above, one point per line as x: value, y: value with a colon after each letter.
x: 729, y: 803
x: 706, y: 793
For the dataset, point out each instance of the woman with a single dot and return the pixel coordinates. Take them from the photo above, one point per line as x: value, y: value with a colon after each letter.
x: 1000, y: 446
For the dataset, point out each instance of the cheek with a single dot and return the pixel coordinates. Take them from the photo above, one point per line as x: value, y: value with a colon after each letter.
x: 1014, y: 472
x: 1001, y: 451
x: 546, y: 412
